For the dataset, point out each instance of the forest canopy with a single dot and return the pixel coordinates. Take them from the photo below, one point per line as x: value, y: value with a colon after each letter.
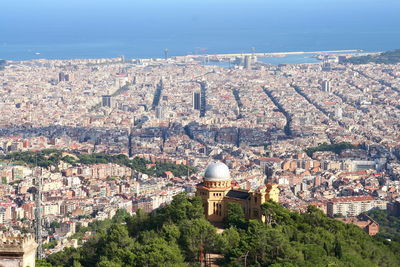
x: 52, y: 157
x: 179, y: 235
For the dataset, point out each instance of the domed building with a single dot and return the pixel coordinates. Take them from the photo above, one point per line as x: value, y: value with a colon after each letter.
x: 217, y: 190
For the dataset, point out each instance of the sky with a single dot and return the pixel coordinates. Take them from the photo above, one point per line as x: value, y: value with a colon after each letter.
x: 39, y: 15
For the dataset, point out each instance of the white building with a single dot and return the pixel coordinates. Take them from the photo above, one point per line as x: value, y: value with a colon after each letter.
x: 353, y: 206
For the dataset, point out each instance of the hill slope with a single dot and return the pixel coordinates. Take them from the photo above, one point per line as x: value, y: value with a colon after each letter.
x: 178, y: 235
x: 388, y: 57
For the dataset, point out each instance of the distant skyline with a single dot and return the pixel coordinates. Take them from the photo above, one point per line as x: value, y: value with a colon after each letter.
x: 142, y: 29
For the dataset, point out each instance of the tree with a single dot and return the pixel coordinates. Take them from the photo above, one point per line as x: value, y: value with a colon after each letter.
x: 43, y: 263
x: 155, y: 251
x: 268, y: 245
x: 107, y: 263
x: 274, y: 213
x: 232, y: 244
x: 120, y: 216
x: 179, y: 232
x: 170, y: 232
x: 182, y: 208
x: 69, y: 160
x: 198, y: 237
x: 235, y: 216
x: 54, y: 224
x: 313, y: 253
x: 65, y: 257
x: 117, y: 243
x: 77, y: 264
x: 138, y: 223
x: 338, y: 249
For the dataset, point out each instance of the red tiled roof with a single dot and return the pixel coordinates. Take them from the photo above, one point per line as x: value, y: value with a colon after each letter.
x: 354, y: 173
x: 352, y: 199
x: 270, y: 159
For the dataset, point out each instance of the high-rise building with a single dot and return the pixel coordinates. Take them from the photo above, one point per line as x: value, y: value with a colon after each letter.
x: 106, y: 101
x: 196, y: 100
x: 61, y: 77
x: 159, y: 113
x: 166, y: 53
x: 326, y: 86
x: 247, y: 62
x: 338, y: 112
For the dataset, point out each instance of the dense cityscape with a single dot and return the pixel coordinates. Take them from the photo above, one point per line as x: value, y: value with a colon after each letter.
x: 97, y: 136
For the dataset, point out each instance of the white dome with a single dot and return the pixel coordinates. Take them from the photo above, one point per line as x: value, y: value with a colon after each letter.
x: 217, y: 171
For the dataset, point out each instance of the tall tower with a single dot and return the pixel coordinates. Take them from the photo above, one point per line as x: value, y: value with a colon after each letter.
x: 203, y: 98
x: 196, y: 100
x: 130, y: 136
x: 106, y: 101
x: 247, y: 62
x: 61, y: 76
x: 326, y: 86
x: 253, y: 55
x: 38, y: 217
x: 159, y: 113
x: 166, y: 53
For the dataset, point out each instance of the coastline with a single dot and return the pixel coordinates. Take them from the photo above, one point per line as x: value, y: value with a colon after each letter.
x: 213, y: 57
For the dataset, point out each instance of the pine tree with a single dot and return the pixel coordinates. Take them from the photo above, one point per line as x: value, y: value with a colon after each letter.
x: 338, y: 249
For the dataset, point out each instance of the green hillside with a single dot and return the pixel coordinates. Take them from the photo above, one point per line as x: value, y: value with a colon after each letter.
x: 389, y: 226
x: 178, y: 235
x: 388, y: 57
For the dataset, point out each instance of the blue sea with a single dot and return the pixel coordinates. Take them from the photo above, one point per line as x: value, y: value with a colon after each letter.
x: 142, y: 29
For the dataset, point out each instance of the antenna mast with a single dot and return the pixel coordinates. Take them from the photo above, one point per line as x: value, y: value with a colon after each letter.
x: 38, y: 216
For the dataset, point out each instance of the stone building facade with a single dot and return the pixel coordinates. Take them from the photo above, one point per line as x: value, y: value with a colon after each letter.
x: 217, y: 190
x: 17, y: 250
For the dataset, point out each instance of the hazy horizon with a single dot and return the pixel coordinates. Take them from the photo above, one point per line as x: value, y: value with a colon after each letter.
x: 68, y: 29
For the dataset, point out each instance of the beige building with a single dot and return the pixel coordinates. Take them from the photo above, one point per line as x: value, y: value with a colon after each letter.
x: 217, y: 190
x: 51, y: 209
x: 17, y: 250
